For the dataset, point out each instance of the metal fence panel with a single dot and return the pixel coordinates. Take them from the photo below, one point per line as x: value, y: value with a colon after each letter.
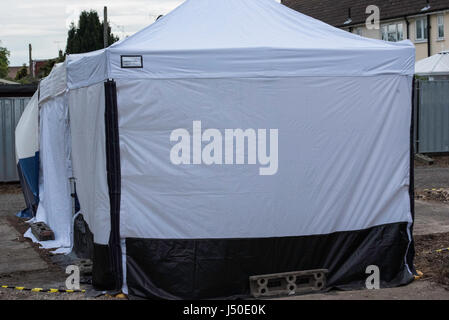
x: 433, y: 116
x: 10, y: 111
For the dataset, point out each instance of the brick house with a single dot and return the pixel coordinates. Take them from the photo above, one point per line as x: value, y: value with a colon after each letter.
x: 12, y: 71
x: 424, y: 22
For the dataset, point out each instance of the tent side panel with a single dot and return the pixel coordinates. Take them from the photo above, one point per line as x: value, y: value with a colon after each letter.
x: 86, y: 107
x: 87, y: 123
x: 341, y: 173
x: 55, y: 205
x: 342, y: 159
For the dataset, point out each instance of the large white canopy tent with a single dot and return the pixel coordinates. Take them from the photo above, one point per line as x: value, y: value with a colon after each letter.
x: 182, y: 204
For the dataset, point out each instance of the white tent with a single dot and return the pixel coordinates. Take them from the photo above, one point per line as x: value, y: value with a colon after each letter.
x: 434, y: 66
x: 55, y: 202
x: 43, y: 147
x: 236, y: 138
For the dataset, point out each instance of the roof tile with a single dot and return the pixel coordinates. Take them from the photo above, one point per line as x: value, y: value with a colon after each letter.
x: 336, y: 12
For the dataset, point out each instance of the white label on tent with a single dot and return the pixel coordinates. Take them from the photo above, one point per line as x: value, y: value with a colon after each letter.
x: 132, y: 61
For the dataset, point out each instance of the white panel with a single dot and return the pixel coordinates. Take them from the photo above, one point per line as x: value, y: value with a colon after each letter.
x: 54, y: 84
x: 86, y: 69
x: 343, y: 161
x: 27, y: 130
x: 86, y: 107
x: 55, y: 205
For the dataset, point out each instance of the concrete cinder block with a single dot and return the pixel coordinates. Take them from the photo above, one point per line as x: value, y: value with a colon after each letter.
x: 42, y: 232
x: 288, y: 283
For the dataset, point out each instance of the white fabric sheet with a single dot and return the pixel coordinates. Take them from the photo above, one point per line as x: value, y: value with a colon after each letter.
x: 55, y: 205
x: 89, y: 158
x: 54, y: 84
x: 343, y: 161
x: 27, y: 130
x: 340, y: 102
x: 49, y: 244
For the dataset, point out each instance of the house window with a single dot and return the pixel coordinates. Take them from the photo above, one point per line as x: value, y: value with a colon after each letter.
x: 440, y: 23
x: 392, y: 32
x: 421, y: 29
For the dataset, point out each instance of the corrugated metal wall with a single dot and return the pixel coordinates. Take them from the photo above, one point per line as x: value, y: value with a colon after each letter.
x: 10, y: 111
x: 432, y: 130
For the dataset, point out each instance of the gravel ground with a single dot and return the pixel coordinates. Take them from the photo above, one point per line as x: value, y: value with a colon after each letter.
x: 431, y: 177
x: 42, y: 269
x: 10, y: 203
x: 417, y: 290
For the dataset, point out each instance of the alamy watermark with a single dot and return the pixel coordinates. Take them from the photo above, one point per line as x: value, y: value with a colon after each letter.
x: 226, y: 147
x: 73, y: 280
x: 373, y: 280
x: 373, y: 20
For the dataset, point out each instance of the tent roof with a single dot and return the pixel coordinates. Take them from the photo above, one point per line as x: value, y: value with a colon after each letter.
x: 54, y: 84
x: 438, y: 64
x: 211, y: 25
x: 238, y: 38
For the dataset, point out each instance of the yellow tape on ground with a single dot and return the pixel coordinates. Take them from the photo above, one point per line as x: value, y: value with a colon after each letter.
x: 43, y: 290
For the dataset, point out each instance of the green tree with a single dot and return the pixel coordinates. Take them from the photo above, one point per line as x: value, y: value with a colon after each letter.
x: 22, y: 73
x: 4, y: 62
x: 88, y: 34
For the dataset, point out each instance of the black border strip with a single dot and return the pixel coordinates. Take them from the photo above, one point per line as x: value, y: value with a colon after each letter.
x: 114, y: 179
x: 411, y: 250
x: 219, y: 268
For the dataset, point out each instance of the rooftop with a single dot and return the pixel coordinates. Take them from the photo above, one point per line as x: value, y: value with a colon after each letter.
x: 336, y: 13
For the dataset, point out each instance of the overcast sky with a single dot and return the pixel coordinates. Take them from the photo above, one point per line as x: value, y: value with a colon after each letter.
x: 44, y: 23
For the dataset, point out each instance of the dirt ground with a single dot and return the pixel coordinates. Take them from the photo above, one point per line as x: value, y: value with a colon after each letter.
x: 434, y: 265
x: 438, y: 162
x: 25, y: 264
x: 12, y: 188
x: 43, y: 269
